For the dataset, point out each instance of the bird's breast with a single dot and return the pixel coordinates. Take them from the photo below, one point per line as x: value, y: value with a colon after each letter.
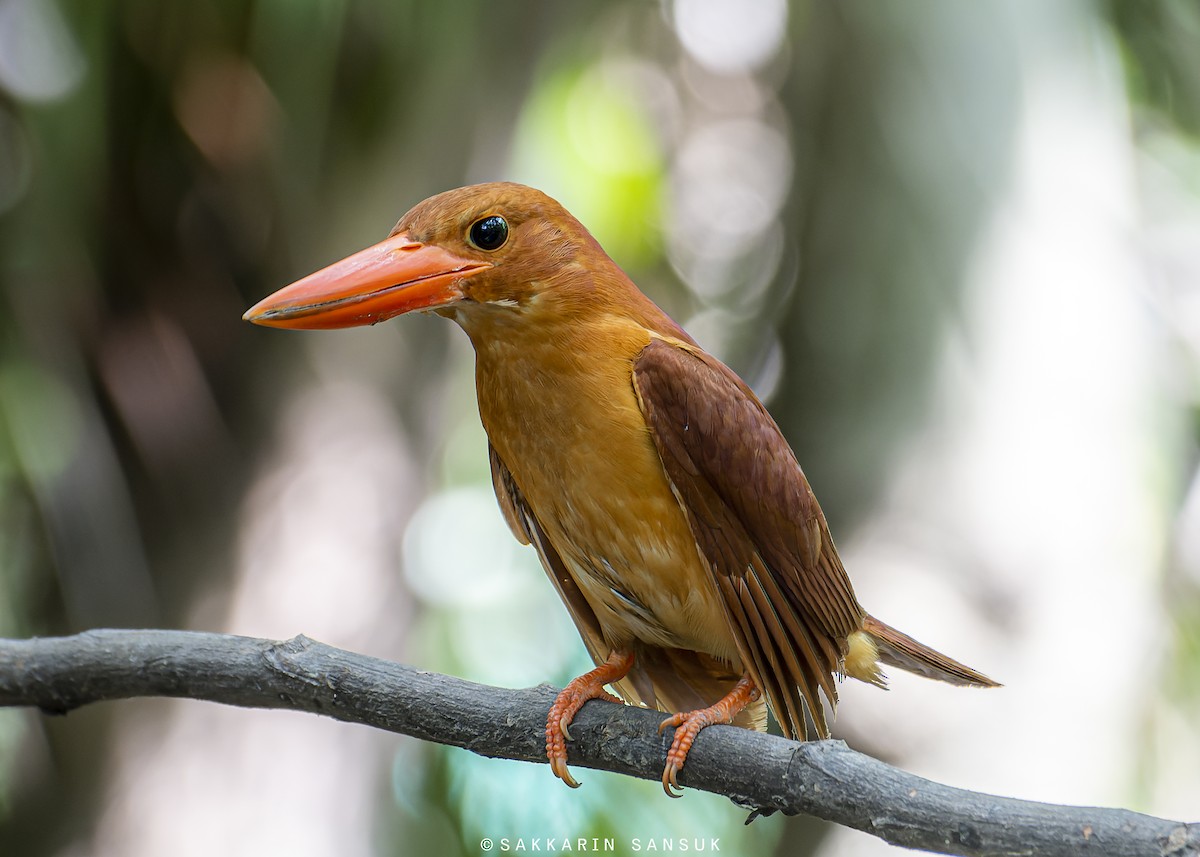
x: 564, y: 419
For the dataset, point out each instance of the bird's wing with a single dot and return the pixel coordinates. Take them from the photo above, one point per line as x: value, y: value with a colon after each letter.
x: 787, y: 597
x: 512, y: 504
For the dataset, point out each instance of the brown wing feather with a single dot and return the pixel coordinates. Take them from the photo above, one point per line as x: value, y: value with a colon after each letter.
x: 511, y: 506
x: 756, y: 521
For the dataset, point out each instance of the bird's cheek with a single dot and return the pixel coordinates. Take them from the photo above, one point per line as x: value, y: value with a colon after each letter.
x: 491, y: 292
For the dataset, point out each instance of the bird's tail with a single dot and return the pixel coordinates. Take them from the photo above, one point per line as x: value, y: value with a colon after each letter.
x: 879, y: 642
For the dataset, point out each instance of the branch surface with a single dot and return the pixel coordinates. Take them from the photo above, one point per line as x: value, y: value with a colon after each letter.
x: 822, y: 778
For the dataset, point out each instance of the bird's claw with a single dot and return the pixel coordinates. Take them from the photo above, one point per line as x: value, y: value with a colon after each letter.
x: 556, y: 748
x: 672, y: 721
x: 670, y: 786
x: 559, y: 766
x: 687, y: 726
x: 570, y: 700
x: 557, y: 736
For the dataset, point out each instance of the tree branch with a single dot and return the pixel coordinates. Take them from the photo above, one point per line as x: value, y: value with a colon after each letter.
x: 822, y: 778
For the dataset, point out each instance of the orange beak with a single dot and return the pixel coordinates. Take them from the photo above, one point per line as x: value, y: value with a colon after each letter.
x: 395, y: 276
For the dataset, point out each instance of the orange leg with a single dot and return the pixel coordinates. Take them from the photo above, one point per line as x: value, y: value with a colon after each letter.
x: 743, y: 693
x: 572, y: 698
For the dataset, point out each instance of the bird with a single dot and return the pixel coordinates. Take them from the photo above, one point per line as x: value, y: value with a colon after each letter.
x: 664, y: 502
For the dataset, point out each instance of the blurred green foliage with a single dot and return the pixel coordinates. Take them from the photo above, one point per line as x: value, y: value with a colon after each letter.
x: 1159, y: 47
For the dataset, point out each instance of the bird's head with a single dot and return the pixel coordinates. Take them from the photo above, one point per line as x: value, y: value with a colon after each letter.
x: 479, y: 254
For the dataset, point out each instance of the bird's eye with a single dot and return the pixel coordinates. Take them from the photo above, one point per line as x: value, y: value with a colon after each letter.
x: 490, y: 233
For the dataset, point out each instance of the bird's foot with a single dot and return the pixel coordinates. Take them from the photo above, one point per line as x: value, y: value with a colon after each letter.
x: 687, y: 725
x: 571, y: 699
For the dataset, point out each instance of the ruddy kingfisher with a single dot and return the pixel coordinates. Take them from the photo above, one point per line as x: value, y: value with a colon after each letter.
x: 667, y: 508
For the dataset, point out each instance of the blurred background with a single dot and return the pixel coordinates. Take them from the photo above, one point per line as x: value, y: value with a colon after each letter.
x: 955, y: 246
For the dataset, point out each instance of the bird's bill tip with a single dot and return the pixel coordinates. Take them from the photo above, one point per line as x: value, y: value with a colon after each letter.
x: 388, y: 279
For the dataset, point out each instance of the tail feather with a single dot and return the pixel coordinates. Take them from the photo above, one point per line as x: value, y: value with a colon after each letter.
x: 897, y: 649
